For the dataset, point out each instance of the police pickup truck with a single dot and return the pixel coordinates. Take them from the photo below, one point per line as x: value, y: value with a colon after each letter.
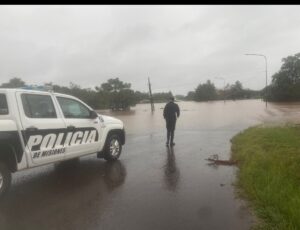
x: 40, y: 127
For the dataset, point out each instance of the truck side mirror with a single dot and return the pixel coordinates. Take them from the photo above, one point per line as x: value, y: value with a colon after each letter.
x: 93, y: 114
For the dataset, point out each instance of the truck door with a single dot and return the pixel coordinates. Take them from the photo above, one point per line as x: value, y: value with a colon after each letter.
x: 43, y: 127
x: 84, y: 130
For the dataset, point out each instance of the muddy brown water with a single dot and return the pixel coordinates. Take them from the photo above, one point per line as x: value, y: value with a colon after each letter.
x: 151, y: 186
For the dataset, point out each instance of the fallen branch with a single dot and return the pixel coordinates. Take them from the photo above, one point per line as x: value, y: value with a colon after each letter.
x: 215, y: 160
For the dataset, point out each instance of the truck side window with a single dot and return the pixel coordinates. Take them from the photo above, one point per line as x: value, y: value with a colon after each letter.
x: 3, y: 105
x: 72, y: 108
x: 38, y: 106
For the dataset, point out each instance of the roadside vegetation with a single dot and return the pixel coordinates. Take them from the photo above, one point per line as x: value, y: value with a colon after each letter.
x: 269, y: 174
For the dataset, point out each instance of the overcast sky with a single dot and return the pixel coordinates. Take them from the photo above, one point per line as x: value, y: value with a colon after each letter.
x: 178, y: 47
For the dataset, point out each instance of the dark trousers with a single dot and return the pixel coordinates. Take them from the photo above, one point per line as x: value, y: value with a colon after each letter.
x: 170, y: 130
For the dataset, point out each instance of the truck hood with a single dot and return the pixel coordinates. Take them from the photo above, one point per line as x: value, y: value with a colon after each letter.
x: 110, y: 120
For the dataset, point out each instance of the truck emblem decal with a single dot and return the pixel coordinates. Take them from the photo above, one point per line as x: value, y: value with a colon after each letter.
x: 52, y: 141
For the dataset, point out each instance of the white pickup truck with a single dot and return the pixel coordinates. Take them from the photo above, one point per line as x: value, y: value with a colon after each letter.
x: 38, y: 128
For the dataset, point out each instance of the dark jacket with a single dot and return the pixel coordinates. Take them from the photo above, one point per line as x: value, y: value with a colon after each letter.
x: 171, y: 111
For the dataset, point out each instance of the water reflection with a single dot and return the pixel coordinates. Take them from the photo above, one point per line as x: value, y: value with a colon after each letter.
x: 114, y: 174
x: 171, y: 171
x: 71, y: 187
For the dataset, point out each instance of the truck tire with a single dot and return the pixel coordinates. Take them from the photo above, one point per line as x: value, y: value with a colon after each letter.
x: 113, y: 148
x: 5, y: 179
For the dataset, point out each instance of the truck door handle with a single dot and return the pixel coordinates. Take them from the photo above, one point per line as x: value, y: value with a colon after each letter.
x: 32, y: 129
x: 71, y: 127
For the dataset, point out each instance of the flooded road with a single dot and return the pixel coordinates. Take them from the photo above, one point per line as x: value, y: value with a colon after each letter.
x: 151, y: 186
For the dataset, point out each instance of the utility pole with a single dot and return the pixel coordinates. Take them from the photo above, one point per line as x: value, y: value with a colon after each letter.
x: 151, y: 98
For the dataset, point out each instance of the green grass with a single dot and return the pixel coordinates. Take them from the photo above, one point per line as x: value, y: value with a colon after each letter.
x: 269, y: 174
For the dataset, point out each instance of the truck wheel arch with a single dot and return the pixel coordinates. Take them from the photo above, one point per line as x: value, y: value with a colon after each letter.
x: 8, y: 156
x: 121, y: 135
x: 119, y: 132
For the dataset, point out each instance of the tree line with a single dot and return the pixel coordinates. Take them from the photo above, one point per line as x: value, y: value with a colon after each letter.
x: 285, y: 85
x: 118, y: 95
x: 208, y: 92
x: 113, y: 94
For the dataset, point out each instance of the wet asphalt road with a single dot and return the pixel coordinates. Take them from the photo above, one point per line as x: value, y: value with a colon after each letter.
x: 150, y: 187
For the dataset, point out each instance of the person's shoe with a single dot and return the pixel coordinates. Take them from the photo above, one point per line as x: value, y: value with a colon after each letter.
x: 172, y: 144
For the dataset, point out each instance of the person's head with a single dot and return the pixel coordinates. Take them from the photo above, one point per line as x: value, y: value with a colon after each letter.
x: 172, y: 99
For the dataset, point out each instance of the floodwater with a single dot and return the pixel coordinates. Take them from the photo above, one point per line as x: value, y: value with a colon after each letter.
x: 151, y: 186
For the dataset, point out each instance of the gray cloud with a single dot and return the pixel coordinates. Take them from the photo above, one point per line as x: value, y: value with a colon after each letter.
x: 177, y: 46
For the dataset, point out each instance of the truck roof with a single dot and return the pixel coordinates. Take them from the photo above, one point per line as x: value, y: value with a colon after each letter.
x: 12, y: 90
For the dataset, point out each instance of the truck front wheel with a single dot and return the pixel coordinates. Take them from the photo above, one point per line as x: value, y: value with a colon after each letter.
x: 5, y: 178
x: 113, y: 148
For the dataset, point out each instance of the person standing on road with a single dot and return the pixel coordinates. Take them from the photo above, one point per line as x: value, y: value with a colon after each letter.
x: 171, y: 113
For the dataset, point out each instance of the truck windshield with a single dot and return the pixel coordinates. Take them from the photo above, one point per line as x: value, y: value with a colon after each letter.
x: 3, y: 105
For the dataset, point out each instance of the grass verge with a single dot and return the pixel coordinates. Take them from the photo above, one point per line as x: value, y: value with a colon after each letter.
x: 269, y: 174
